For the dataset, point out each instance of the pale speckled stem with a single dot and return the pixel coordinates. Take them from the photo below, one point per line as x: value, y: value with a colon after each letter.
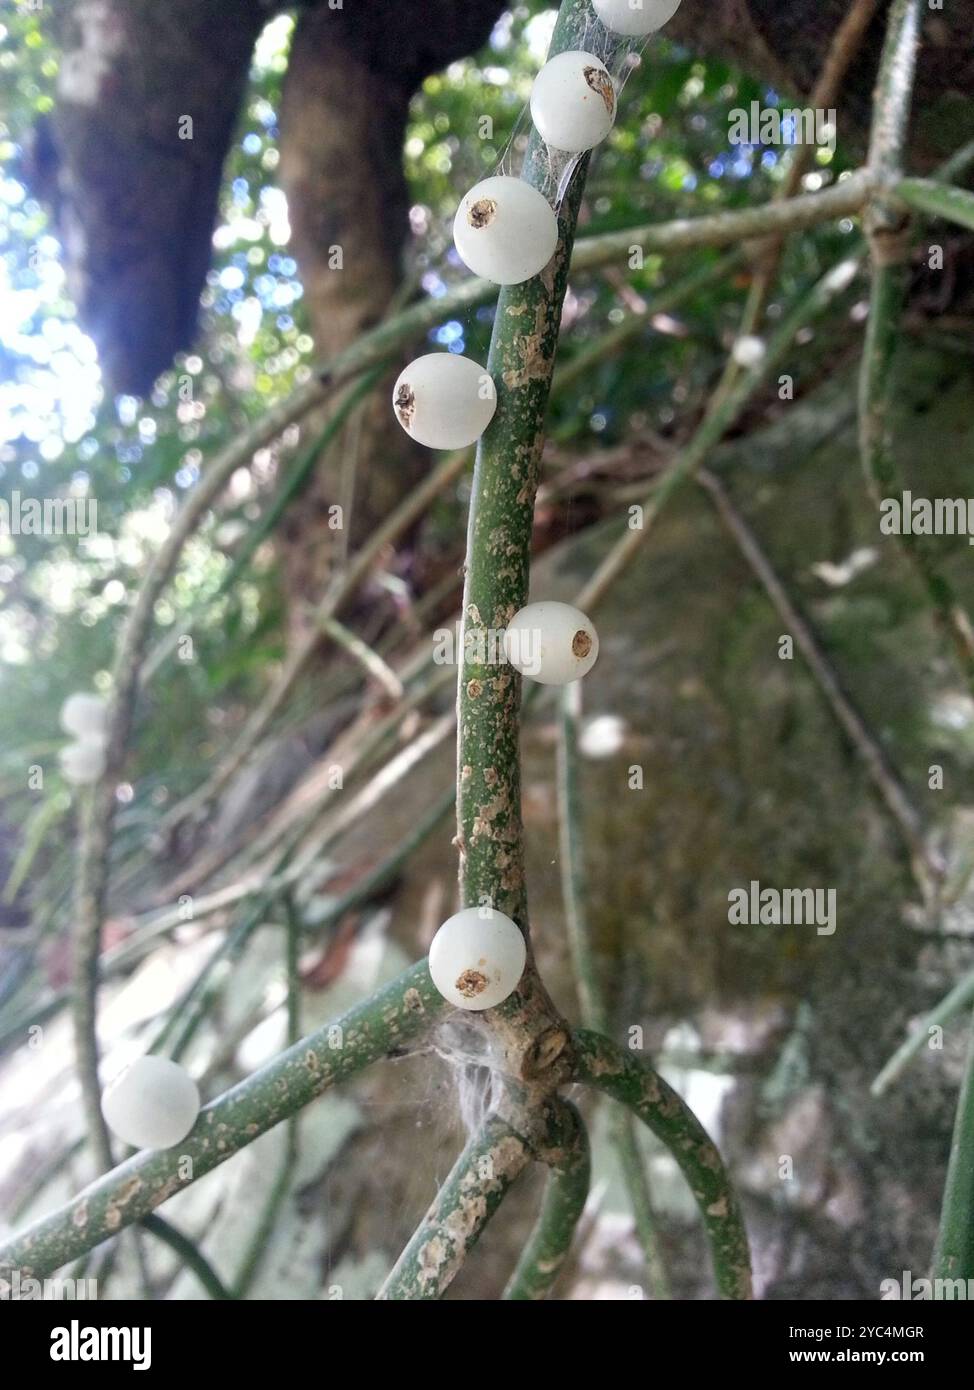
x: 374, y: 1029
x: 475, y: 1188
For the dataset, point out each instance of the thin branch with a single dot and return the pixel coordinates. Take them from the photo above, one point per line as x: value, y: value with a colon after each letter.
x: 846, y: 43
x: 342, y: 588
x: 887, y: 227
x: 475, y: 1188
x: 566, y: 1191
x: 893, y: 96
x: 578, y: 367
x: 960, y: 997
x: 843, y: 199
x: 954, y: 1257
x: 379, y: 1026
x: 620, y: 1075
x: 927, y: 868
x: 360, y: 651
x: 591, y: 996
x: 282, y: 1183
x: 189, y: 1254
x: 938, y: 199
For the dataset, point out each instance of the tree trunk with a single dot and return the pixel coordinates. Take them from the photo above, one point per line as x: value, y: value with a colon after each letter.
x: 342, y: 131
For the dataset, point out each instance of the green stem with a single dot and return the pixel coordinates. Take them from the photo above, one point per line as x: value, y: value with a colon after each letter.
x: 282, y: 1183
x: 632, y: 1165
x: 591, y: 996
x: 936, y: 199
x: 475, y: 1188
x: 888, y: 243
x: 894, y: 90
x: 959, y: 998
x: 189, y: 1253
x: 607, y: 1067
x: 564, y: 1200
x: 373, y: 1029
x: 954, y: 1257
x: 530, y: 1034
x: 505, y: 481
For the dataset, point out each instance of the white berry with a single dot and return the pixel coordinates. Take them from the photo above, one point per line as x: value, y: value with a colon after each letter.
x: 505, y: 230
x: 635, y: 18
x: 153, y: 1104
x: 444, y: 401
x: 552, y: 643
x: 84, y: 715
x: 477, y: 958
x: 748, y: 350
x: 82, y: 762
x: 573, y: 101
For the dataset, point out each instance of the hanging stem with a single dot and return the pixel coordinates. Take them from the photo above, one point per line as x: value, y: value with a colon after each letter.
x: 591, y: 998
x: 620, y: 1075
x: 564, y: 1200
x: 189, y: 1254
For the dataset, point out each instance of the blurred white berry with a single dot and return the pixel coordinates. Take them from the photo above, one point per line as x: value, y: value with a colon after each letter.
x: 477, y: 958
x: 573, y: 101
x: 444, y: 401
x: 635, y: 18
x: 749, y: 351
x: 85, y: 715
x: 505, y: 230
x: 552, y: 643
x: 153, y: 1104
x: 82, y: 762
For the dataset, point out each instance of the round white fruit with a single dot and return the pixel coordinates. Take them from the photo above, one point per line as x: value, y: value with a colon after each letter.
x: 153, y: 1104
x: 85, y: 715
x: 748, y: 350
x: 444, y: 401
x: 477, y: 958
x: 635, y: 18
x: 552, y: 643
x: 83, y: 762
x: 505, y: 230
x: 573, y: 101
